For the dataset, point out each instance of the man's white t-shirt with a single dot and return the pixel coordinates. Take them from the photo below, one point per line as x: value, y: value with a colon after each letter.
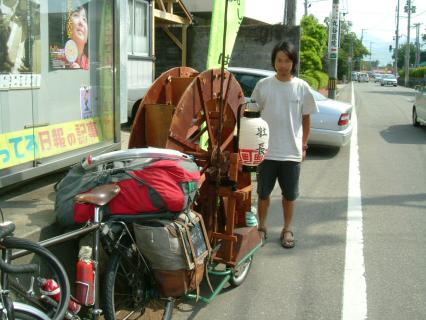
x: 283, y: 103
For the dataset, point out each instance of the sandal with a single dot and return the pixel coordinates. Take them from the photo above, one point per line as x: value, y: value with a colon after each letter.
x: 287, y: 243
x: 263, y: 233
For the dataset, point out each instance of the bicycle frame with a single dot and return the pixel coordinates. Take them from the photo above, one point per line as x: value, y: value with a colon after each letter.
x: 100, y: 230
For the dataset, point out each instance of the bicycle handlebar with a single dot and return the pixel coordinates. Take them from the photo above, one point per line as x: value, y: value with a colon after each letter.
x: 127, y: 155
x: 23, y: 268
x: 6, y: 228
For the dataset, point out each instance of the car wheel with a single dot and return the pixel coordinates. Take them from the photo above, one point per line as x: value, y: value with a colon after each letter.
x: 415, y: 121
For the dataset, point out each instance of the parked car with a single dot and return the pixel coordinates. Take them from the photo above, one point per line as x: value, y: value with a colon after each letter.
x: 378, y: 77
x: 331, y: 126
x: 363, y: 77
x: 388, y: 80
x: 419, y: 107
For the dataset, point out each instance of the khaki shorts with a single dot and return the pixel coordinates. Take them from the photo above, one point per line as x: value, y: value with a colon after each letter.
x: 287, y: 173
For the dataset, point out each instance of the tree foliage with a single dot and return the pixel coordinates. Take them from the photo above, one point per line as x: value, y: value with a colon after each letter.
x: 313, y: 44
x: 314, y: 47
x: 351, y: 49
x: 401, y: 55
x: 312, y: 52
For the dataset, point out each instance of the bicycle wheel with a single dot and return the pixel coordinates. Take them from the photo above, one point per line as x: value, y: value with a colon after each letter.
x: 27, y: 287
x: 26, y: 312
x: 240, y: 274
x: 126, y: 290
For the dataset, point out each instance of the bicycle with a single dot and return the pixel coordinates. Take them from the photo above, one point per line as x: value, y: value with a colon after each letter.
x: 26, y: 282
x: 128, y: 286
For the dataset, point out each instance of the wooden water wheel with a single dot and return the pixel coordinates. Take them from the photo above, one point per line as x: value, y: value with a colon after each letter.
x: 181, y: 111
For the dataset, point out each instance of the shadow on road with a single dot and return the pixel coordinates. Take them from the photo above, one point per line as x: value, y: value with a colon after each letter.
x: 126, y: 127
x: 322, y: 152
x: 404, y: 134
x: 395, y: 93
x: 31, y: 185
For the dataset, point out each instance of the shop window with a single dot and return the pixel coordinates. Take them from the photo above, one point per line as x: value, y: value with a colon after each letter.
x: 56, y: 78
x: 138, y: 28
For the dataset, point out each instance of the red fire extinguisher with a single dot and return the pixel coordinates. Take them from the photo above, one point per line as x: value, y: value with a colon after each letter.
x: 85, y: 277
x: 50, y: 288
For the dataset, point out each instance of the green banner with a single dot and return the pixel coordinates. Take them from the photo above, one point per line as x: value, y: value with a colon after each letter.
x: 234, y: 18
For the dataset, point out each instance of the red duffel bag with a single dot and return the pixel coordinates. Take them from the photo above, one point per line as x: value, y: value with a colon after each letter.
x: 157, y: 185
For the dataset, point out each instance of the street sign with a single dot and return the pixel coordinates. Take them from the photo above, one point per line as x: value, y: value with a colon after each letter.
x: 333, y: 35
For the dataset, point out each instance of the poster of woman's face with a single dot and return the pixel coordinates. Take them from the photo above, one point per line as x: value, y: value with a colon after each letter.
x: 68, y: 34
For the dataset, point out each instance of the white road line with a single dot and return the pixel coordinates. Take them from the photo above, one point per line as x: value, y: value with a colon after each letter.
x: 354, y: 284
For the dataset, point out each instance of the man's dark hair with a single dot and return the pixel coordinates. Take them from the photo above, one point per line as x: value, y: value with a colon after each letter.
x: 288, y: 49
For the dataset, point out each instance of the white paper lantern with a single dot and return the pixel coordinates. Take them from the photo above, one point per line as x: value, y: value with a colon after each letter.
x: 253, y: 139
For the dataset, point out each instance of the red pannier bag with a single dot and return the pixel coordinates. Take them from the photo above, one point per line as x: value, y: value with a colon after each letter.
x: 153, y: 186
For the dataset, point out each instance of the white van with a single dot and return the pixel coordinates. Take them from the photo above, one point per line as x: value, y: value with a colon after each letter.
x: 363, y: 77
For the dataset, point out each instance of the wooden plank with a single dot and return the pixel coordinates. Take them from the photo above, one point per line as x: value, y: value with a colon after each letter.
x: 169, y: 17
x: 184, y: 44
x: 170, y: 6
x: 185, y: 10
x: 223, y: 236
x: 161, y: 5
x: 172, y: 36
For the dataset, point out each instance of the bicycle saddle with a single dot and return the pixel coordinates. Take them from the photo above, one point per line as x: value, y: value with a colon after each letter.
x: 99, y: 195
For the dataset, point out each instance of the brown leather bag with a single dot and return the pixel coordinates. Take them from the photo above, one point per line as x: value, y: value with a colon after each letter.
x: 194, y: 249
x: 177, y: 283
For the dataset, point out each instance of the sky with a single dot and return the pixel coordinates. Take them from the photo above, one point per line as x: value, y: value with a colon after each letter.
x: 375, y: 20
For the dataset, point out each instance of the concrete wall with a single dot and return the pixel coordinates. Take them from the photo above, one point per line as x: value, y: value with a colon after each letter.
x: 198, y: 5
x: 252, y: 48
x: 167, y: 53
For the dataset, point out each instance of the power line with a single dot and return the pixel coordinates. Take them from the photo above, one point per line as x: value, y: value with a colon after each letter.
x: 418, y: 14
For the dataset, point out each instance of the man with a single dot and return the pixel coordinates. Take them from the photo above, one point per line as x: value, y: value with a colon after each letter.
x: 286, y: 102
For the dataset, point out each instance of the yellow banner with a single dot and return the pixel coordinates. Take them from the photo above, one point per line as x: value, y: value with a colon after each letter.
x: 27, y: 145
x: 235, y: 16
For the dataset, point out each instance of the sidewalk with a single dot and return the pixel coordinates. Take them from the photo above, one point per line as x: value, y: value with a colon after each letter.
x: 340, y: 86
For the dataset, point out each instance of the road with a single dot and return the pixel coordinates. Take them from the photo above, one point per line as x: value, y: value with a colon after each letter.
x: 307, y: 282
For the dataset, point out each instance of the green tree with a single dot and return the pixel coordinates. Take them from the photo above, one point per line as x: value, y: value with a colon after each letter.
x: 349, y: 43
x: 313, y: 47
x: 401, y: 55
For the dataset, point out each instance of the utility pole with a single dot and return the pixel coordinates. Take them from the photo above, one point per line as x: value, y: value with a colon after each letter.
x: 306, y: 7
x: 362, y: 34
x: 371, y: 64
x: 360, y: 61
x: 417, y: 25
x: 408, y: 9
x: 351, y: 53
x: 333, y: 48
x: 396, y: 40
x: 290, y: 13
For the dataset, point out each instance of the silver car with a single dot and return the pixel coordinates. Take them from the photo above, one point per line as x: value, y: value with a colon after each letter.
x: 363, y: 77
x: 388, y: 80
x: 331, y: 126
x: 419, y: 107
